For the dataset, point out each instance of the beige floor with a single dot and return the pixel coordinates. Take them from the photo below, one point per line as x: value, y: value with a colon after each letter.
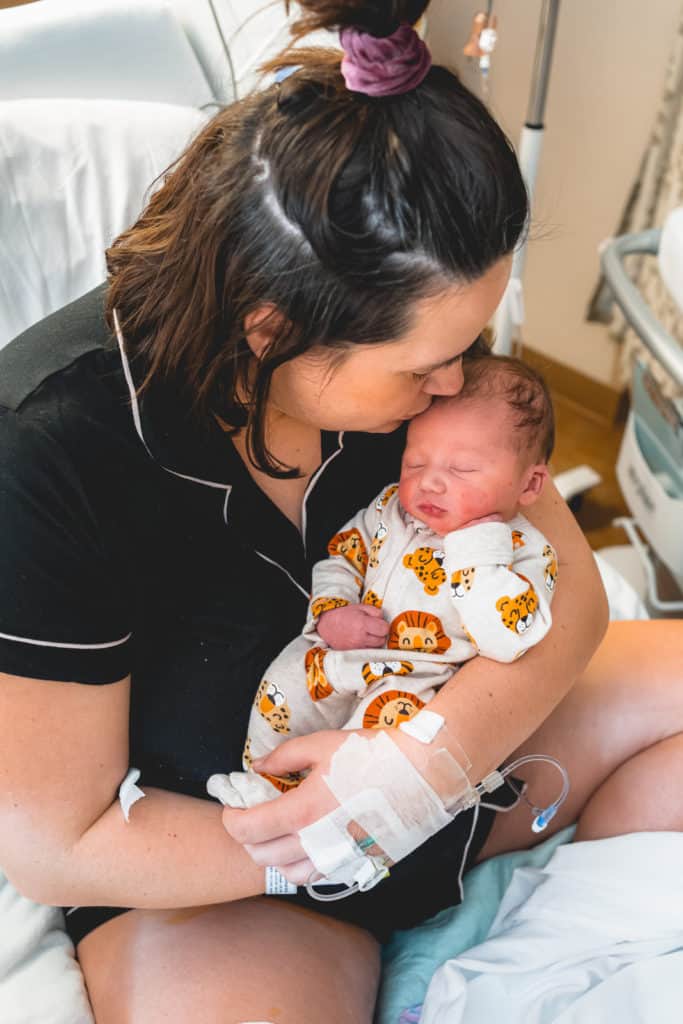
x: 585, y: 437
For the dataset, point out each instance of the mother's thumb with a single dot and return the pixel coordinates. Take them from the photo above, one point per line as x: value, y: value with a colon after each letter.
x: 293, y: 756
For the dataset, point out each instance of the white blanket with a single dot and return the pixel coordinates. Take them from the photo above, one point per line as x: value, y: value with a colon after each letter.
x: 596, y: 936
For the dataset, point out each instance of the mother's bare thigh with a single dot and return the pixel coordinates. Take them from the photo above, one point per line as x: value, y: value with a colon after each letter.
x: 257, y: 960
x: 629, y: 697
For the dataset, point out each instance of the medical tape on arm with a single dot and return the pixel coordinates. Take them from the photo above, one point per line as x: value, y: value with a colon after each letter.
x: 382, y: 792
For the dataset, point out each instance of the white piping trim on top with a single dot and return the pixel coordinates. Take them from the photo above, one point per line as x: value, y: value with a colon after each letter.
x: 313, y: 481
x: 260, y: 553
x: 71, y: 647
x: 282, y: 569
x: 209, y: 483
x: 228, y: 492
x: 135, y: 408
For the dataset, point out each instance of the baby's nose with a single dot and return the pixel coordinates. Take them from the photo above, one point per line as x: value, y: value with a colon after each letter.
x: 432, y: 480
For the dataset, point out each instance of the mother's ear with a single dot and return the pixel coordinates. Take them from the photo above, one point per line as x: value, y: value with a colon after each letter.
x: 261, y: 326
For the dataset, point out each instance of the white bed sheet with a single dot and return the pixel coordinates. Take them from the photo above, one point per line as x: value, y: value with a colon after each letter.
x: 597, y: 935
x: 40, y: 980
x: 73, y: 175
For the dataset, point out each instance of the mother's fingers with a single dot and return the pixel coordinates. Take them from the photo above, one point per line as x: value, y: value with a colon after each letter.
x: 285, y: 850
x: 282, y: 817
x: 300, y: 873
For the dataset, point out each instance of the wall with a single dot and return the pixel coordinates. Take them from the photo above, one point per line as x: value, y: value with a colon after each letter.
x: 607, y: 75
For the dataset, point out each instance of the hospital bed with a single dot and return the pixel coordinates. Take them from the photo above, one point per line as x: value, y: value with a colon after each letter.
x: 98, y: 97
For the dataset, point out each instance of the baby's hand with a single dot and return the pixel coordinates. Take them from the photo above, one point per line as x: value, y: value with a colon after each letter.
x: 353, y: 626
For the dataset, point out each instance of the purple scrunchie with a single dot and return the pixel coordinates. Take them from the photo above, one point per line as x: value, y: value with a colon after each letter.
x: 384, y: 67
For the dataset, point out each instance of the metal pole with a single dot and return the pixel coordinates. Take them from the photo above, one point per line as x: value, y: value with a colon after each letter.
x: 510, y: 313
x: 542, y: 61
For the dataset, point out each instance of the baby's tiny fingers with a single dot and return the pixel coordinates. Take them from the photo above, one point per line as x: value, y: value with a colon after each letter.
x: 372, y: 610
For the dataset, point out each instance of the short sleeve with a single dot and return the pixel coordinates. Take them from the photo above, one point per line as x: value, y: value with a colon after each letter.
x: 62, y: 610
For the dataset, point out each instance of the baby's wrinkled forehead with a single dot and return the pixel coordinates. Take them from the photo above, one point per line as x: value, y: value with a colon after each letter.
x: 475, y: 422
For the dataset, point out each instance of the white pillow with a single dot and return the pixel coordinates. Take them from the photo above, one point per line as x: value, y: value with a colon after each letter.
x: 73, y: 175
x: 100, y: 49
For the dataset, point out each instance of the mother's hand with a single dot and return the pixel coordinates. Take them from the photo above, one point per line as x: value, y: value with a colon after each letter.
x: 269, y: 832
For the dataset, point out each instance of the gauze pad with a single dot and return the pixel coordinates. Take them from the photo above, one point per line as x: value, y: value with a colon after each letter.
x: 384, y: 796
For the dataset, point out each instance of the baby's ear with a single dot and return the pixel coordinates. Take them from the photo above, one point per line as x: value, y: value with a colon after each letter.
x: 533, y: 481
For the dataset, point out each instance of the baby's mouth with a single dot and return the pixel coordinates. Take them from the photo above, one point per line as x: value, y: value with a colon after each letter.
x: 427, y: 509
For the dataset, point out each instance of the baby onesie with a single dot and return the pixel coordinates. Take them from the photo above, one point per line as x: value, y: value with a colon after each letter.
x: 484, y: 589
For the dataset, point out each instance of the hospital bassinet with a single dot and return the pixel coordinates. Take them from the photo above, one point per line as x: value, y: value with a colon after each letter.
x: 650, y: 463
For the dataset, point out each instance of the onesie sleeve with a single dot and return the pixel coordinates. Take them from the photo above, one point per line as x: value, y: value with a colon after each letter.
x: 339, y: 579
x: 62, y: 614
x: 503, y: 611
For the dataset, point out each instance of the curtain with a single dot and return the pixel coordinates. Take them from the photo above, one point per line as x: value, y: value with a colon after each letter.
x: 657, y: 190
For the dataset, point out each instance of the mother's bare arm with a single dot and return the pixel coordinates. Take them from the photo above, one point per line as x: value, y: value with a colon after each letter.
x: 491, y: 708
x: 63, y: 837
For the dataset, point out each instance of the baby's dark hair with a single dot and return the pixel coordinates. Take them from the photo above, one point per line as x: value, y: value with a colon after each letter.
x: 525, y: 393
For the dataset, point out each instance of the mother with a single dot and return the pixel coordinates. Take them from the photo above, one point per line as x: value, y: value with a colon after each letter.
x: 172, y: 464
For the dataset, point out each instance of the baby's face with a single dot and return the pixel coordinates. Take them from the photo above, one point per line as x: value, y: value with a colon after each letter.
x: 459, y: 465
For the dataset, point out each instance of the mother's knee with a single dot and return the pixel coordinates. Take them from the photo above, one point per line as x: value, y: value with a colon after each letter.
x: 254, y: 960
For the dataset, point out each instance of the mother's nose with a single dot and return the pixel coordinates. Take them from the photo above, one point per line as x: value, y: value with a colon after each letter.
x: 446, y: 381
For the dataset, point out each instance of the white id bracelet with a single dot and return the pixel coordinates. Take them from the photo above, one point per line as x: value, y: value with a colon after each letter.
x: 277, y: 884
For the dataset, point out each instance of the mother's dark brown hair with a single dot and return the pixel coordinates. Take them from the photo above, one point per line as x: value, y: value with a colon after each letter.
x: 335, y: 210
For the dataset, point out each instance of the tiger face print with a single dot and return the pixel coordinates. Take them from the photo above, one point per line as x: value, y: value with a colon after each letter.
x: 370, y: 597
x: 388, y: 710
x: 272, y: 705
x: 461, y: 582
x: 373, y: 671
x: 517, y: 613
x: 326, y: 604
x: 550, y: 571
x: 350, y: 545
x: 377, y: 541
x: 316, y: 680
x: 426, y: 563
x: 384, y: 499
x: 518, y: 539
x: 418, y: 631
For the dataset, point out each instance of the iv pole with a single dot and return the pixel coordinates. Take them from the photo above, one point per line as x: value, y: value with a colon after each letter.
x: 510, y: 312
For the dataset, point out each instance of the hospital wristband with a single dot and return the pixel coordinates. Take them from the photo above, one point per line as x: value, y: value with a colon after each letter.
x: 277, y: 884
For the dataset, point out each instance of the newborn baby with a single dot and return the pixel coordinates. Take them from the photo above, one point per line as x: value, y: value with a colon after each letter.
x: 441, y: 567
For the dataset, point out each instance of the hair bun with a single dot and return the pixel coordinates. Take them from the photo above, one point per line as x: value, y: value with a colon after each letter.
x: 376, y: 17
x: 296, y: 94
